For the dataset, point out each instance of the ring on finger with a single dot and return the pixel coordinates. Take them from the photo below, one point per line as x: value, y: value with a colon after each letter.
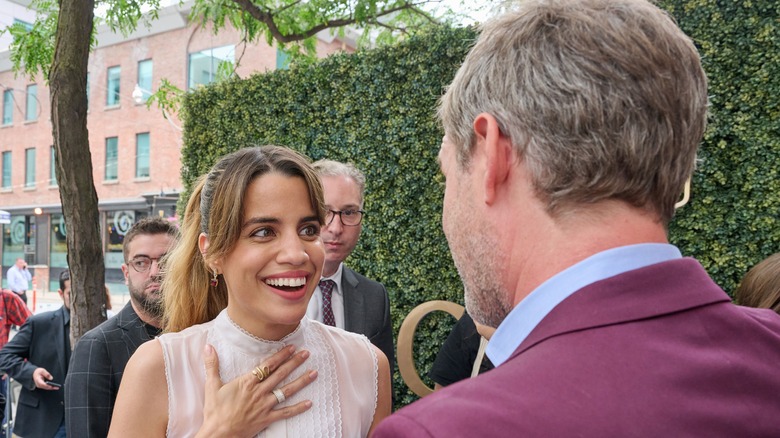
x: 279, y: 394
x: 261, y: 373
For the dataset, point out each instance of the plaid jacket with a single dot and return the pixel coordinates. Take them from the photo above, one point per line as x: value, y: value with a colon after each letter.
x: 13, y: 311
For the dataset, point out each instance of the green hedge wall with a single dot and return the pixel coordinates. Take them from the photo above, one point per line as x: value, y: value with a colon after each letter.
x: 731, y: 222
x: 375, y: 109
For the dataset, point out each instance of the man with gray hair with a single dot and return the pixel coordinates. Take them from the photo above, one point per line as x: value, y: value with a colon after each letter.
x: 570, y: 131
x: 344, y: 298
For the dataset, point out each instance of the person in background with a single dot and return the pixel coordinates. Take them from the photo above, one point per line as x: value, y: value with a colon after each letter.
x: 37, y: 357
x: 461, y: 356
x: 344, y: 298
x: 760, y: 288
x: 13, y: 312
x: 108, y: 307
x: 236, y: 288
x: 100, y: 356
x: 19, y: 278
x: 569, y: 133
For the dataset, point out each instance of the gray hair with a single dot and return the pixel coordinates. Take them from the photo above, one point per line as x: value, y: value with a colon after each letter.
x: 337, y: 168
x: 602, y: 99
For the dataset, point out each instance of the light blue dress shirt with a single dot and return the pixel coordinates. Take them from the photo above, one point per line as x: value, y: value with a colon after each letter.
x: 533, y: 308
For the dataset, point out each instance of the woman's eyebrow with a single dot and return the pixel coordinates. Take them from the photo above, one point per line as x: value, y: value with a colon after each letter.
x: 259, y: 220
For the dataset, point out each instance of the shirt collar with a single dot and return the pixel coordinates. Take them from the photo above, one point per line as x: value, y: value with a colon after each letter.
x: 336, y: 277
x: 533, y: 308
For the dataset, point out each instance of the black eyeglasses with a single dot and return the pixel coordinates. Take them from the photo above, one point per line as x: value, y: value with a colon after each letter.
x: 143, y: 263
x: 349, y: 218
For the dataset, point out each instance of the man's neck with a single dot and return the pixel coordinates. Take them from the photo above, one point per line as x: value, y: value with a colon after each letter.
x: 568, y: 241
x: 328, y: 269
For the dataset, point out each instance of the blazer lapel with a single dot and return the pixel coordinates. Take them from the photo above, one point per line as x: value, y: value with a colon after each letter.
x: 60, y: 337
x: 354, y: 314
x: 133, y: 330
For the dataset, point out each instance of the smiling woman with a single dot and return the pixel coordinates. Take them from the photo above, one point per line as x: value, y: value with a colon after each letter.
x: 236, y: 290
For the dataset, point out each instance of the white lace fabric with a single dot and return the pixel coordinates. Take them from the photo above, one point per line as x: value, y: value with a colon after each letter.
x: 343, y: 397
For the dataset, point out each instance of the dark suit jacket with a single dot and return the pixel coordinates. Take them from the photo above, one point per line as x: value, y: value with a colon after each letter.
x: 41, y: 342
x: 658, y: 351
x: 96, y: 369
x: 367, y: 311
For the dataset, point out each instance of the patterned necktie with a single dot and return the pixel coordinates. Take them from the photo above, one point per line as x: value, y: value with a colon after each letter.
x: 326, y: 286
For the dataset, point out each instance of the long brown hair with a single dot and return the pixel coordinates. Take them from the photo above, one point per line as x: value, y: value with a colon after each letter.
x: 216, y: 208
x: 761, y: 285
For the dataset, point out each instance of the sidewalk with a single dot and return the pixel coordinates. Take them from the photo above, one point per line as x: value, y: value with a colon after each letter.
x: 45, y: 301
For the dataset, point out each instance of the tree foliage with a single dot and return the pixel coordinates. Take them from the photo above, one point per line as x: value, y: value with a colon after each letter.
x: 732, y: 221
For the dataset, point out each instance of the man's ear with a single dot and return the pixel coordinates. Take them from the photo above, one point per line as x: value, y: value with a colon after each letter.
x: 125, y: 271
x: 497, y: 149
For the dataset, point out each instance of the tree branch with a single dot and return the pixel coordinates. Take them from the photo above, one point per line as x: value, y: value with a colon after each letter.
x: 267, y: 18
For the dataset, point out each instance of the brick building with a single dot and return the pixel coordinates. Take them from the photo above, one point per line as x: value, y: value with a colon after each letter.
x: 135, y: 151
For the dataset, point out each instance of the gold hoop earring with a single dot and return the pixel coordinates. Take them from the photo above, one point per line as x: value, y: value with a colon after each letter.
x: 214, y: 281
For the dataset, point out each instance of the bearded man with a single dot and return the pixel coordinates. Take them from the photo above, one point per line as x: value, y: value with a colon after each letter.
x: 99, y: 357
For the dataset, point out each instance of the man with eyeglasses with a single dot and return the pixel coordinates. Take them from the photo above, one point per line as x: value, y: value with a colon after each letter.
x: 344, y: 298
x: 100, y: 356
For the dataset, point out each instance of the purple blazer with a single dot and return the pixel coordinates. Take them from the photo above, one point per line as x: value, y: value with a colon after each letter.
x: 658, y: 351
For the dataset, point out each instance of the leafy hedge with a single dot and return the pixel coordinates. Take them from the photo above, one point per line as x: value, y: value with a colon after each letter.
x: 376, y: 109
x: 731, y: 222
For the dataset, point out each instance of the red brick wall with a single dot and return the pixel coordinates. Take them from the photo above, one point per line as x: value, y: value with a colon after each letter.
x: 168, y: 52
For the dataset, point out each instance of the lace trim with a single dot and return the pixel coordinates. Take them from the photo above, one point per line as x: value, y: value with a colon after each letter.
x: 376, y: 374
x: 257, y: 338
x: 167, y: 362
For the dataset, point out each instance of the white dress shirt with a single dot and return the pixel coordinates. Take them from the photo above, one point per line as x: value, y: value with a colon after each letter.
x: 314, y: 311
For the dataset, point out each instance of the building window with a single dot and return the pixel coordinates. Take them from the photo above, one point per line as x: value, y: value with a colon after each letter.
x: 19, y: 239
x: 58, y: 250
x: 52, y: 168
x: 112, y: 158
x: 32, y: 103
x: 112, y: 86
x: 29, y: 167
x: 145, y: 79
x: 8, y: 107
x: 282, y: 60
x: 24, y: 24
x: 142, y: 155
x: 204, y: 65
x: 6, y: 170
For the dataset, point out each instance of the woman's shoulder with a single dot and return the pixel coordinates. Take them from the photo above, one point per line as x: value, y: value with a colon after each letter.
x: 337, y: 335
x: 190, y: 333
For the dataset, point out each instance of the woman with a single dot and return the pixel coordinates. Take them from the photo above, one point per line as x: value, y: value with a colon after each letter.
x: 236, y: 290
x: 760, y: 287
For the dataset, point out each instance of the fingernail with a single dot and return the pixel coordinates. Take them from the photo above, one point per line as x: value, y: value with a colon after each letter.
x: 313, y: 374
x: 291, y: 349
x: 307, y: 403
x: 208, y: 350
x: 305, y: 354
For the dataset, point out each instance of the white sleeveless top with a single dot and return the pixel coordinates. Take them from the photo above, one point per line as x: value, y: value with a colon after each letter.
x: 344, y: 395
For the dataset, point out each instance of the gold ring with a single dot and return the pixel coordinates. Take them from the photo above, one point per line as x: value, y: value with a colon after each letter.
x: 261, y: 373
